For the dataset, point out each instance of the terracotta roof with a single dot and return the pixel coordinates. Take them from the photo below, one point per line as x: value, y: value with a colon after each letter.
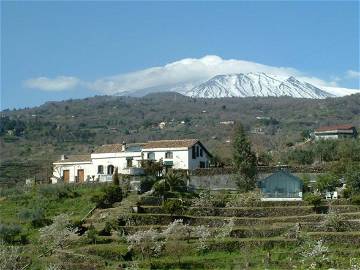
x: 336, y: 127
x: 114, y: 148
x: 170, y: 143
x: 75, y: 158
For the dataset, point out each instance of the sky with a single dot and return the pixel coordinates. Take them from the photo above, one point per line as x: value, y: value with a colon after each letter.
x: 61, y: 50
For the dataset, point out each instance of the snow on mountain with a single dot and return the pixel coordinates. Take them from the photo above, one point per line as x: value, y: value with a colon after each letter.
x: 256, y: 84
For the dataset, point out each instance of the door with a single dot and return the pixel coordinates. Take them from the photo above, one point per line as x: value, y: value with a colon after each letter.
x: 66, y: 176
x: 80, y: 176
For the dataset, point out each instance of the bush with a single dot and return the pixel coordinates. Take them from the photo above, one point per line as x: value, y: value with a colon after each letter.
x: 355, y: 199
x: 146, y: 184
x: 313, y: 199
x: 107, y: 229
x: 91, y: 235
x: 108, y: 196
x: 327, y: 182
x: 10, y: 233
x: 35, y: 216
x: 173, y: 207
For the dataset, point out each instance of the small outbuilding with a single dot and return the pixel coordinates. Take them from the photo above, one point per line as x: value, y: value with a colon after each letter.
x: 281, y: 186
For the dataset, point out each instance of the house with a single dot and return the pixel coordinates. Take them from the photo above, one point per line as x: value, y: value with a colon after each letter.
x: 335, y: 132
x: 178, y: 154
x: 127, y: 158
x: 281, y: 186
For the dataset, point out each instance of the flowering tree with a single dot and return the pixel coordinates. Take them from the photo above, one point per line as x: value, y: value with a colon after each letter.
x: 173, y: 234
x: 57, y: 235
x: 147, y: 242
x: 226, y: 229
x: 10, y: 257
x: 203, y: 233
x: 313, y: 253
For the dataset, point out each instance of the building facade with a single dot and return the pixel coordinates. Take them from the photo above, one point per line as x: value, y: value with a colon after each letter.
x: 335, y: 132
x: 127, y: 158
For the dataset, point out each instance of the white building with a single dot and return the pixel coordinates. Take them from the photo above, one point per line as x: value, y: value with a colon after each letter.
x: 101, y: 164
x: 335, y: 132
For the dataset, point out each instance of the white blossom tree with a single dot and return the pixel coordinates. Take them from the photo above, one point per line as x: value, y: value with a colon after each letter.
x: 226, y: 229
x: 148, y: 243
x: 57, y: 235
x: 10, y: 257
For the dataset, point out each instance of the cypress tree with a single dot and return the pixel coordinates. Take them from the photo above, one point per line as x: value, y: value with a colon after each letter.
x: 244, y: 160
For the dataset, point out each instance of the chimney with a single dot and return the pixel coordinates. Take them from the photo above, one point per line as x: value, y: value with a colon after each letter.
x: 123, y: 147
x: 63, y: 157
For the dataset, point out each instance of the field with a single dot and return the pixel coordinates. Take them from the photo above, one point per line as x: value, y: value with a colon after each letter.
x: 219, y: 230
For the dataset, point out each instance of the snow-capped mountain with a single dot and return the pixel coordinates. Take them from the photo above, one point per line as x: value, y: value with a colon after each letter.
x: 247, y: 85
x: 254, y: 85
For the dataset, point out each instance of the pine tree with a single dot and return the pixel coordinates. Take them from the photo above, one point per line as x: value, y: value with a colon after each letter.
x: 244, y: 160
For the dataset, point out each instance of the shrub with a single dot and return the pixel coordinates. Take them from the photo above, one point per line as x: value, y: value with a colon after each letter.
x: 173, y: 207
x: 327, y: 182
x: 108, y: 196
x: 107, y: 229
x: 35, y: 216
x: 147, y: 183
x: 334, y: 222
x: 313, y: 199
x: 10, y: 233
x: 355, y: 199
x: 245, y: 199
x: 91, y: 235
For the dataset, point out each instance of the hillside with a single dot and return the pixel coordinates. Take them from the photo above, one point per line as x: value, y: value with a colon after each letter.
x: 220, y: 230
x: 33, y: 137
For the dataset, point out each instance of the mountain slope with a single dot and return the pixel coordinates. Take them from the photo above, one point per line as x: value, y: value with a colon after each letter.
x: 254, y: 85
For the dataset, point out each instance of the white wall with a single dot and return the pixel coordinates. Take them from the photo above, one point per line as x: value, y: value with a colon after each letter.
x: 73, y: 170
x: 182, y: 157
x: 195, y: 163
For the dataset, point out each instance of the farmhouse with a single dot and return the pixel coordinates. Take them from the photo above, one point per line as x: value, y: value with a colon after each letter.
x: 127, y: 158
x: 281, y: 186
x: 335, y: 132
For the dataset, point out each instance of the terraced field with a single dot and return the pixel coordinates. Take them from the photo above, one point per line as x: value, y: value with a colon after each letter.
x: 266, y: 236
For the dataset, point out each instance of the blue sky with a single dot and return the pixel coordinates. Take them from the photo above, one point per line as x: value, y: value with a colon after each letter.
x: 62, y: 50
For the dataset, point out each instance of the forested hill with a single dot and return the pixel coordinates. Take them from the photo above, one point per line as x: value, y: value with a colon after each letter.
x: 36, y: 135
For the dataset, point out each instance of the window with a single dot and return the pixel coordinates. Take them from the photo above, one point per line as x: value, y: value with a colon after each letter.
x: 202, y: 164
x: 100, y: 169
x: 169, y: 155
x: 201, y: 152
x: 197, y: 151
x: 193, y: 152
x: 151, y: 155
x: 129, y: 162
x: 110, y: 169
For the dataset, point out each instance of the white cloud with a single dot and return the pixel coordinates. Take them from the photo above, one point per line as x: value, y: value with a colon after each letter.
x: 59, y: 83
x: 352, y: 74
x: 186, y: 71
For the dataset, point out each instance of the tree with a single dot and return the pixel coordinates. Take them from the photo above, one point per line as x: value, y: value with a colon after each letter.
x: 244, y: 160
x: 115, y: 177
x: 175, y: 182
x: 11, y: 257
x: 352, y: 177
x: 57, y: 235
x: 327, y: 182
x: 147, y: 243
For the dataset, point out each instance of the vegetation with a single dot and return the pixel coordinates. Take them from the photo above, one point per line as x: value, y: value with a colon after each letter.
x: 31, y: 138
x: 244, y: 160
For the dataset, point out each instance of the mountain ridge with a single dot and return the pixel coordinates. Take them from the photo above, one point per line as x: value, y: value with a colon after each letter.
x: 252, y: 84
